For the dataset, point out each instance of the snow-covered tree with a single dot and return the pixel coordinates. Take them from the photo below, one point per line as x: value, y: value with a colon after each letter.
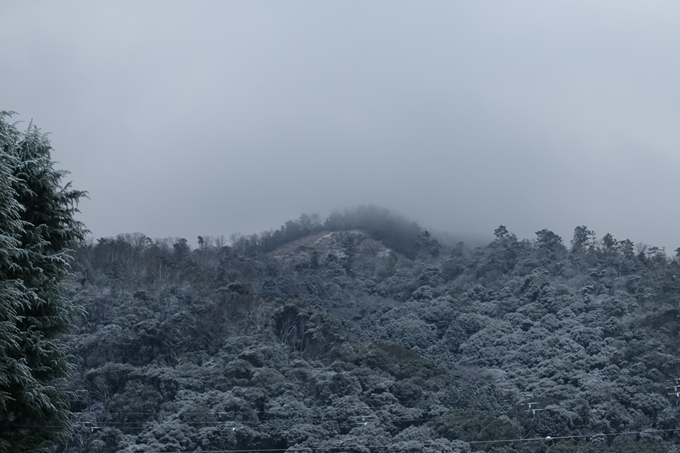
x: 38, y: 232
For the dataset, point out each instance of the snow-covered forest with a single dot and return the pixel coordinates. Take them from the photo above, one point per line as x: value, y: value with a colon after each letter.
x: 363, y: 333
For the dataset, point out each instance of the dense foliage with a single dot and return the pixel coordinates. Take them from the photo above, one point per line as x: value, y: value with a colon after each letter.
x: 362, y: 333
x: 37, y: 236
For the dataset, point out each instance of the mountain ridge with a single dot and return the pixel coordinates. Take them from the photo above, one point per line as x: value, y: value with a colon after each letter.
x: 438, y: 348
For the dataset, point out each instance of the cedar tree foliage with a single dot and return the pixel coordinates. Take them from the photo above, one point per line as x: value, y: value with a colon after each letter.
x: 38, y: 233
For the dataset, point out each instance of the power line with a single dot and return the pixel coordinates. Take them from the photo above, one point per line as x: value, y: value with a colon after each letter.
x: 365, y: 420
x: 263, y: 417
x: 472, y: 442
x: 427, y: 444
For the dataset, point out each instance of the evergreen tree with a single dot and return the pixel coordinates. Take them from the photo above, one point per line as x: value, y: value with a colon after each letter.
x: 37, y: 236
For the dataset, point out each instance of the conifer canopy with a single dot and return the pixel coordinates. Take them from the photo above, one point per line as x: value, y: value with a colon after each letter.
x: 38, y: 232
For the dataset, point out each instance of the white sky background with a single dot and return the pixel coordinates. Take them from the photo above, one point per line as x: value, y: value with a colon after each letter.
x: 188, y: 118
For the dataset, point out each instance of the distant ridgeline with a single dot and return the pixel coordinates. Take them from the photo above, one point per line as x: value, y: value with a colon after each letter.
x: 362, y: 333
x: 392, y: 230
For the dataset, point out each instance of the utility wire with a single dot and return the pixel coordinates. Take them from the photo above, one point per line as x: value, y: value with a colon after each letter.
x: 427, y: 444
x: 366, y: 419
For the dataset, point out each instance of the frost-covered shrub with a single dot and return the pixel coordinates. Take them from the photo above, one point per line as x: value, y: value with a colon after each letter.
x: 424, y: 293
x: 479, y: 293
x: 409, y: 331
x: 328, y: 385
x: 430, y: 276
x: 649, y: 403
x: 473, y: 426
x: 424, y: 439
x: 269, y: 380
x: 136, y: 404
x: 555, y: 421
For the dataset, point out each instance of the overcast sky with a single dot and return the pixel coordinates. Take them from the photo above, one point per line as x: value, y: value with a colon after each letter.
x: 197, y: 117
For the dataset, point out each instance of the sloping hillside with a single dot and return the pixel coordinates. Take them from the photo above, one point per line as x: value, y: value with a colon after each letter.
x: 357, y: 337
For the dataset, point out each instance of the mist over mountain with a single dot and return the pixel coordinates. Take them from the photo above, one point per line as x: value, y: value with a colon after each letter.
x: 361, y: 332
x: 493, y: 263
x: 185, y: 120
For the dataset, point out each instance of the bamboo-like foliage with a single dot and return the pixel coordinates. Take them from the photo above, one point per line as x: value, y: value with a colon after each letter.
x: 38, y: 233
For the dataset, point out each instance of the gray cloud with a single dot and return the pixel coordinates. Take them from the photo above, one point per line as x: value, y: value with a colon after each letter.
x: 216, y: 117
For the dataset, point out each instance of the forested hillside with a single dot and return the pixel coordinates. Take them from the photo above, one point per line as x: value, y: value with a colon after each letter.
x: 362, y: 333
